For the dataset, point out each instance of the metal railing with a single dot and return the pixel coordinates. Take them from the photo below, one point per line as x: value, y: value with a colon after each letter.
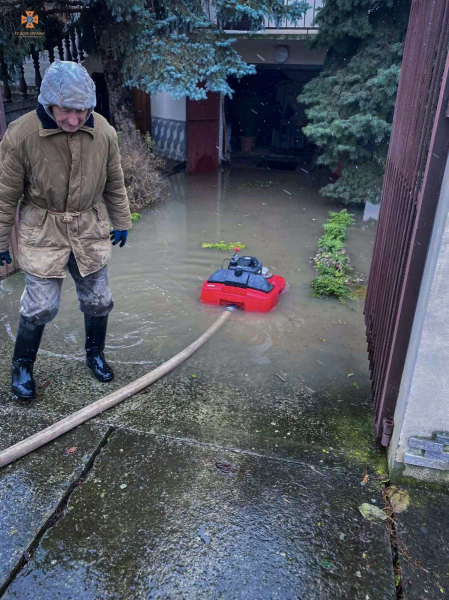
x: 307, y: 21
x: 304, y: 25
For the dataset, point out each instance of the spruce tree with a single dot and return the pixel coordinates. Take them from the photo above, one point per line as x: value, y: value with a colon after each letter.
x: 177, y: 46
x: 351, y: 103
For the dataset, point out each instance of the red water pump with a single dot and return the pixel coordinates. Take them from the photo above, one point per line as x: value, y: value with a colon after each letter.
x: 246, y: 283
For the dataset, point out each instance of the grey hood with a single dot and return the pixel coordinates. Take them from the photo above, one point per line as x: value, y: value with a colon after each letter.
x: 67, y: 84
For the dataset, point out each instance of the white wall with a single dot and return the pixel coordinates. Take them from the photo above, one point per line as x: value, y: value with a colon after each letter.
x: 423, y: 402
x: 164, y: 106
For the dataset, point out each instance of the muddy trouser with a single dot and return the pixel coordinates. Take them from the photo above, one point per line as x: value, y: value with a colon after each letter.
x: 41, y: 298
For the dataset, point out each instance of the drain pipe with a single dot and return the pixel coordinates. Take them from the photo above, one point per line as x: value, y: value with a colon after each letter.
x: 92, y: 410
x: 387, y: 431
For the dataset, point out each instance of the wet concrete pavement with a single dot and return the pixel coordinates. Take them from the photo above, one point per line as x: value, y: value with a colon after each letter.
x: 32, y: 490
x: 139, y: 509
x: 265, y: 529
x: 423, y: 545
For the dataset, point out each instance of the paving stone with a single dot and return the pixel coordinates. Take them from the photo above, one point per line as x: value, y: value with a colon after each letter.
x: 443, y: 438
x: 424, y: 444
x: 424, y: 461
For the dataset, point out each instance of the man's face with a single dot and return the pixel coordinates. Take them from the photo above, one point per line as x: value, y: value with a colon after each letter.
x: 69, y: 119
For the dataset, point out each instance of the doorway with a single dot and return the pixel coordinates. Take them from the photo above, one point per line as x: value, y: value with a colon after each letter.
x: 264, y: 121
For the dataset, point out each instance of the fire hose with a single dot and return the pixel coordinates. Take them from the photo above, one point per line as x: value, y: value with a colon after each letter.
x: 54, y: 431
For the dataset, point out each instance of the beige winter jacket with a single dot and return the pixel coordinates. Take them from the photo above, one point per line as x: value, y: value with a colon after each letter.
x: 72, y: 187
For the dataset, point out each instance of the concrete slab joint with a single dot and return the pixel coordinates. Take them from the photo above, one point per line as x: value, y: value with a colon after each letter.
x: 429, y: 453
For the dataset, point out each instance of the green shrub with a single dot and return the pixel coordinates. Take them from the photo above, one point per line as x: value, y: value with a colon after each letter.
x: 331, y: 260
x: 325, y: 286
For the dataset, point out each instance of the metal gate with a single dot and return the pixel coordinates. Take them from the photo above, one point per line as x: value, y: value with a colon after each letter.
x: 415, y: 166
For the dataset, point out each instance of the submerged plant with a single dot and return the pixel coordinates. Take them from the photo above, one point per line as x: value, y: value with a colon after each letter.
x: 325, y: 286
x: 223, y: 245
x: 331, y: 260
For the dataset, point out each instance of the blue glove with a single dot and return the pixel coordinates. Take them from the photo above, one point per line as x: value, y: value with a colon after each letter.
x: 119, y: 236
x: 5, y: 256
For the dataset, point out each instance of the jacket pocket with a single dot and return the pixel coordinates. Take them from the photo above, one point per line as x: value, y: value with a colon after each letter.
x: 96, y: 223
x: 32, y: 225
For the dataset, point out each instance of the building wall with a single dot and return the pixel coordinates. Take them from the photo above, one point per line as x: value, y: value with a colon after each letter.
x: 168, y: 116
x: 423, y: 402
x: 168, y: 124
x: 261, y: 51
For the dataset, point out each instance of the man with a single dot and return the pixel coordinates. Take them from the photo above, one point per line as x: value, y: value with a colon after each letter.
x: 64, y: 160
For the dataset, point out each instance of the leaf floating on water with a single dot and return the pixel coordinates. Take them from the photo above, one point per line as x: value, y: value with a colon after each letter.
x: 372, y: 513
x: 399, y: 498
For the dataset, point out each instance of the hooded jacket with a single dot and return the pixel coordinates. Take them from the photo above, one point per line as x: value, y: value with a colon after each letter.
x: 72, y: 188
x: 67, y: 83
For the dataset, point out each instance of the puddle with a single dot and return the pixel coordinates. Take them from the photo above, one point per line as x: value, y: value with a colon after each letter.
x: 156, y: 282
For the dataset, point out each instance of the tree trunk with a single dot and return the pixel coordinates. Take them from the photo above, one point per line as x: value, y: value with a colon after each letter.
x: 120, y: 97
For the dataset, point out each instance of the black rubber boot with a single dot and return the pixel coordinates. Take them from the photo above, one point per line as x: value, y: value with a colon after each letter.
x: 28, y: 339
x: 96, y: 328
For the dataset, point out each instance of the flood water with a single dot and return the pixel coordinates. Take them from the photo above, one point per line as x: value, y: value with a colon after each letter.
x: 156, y: 282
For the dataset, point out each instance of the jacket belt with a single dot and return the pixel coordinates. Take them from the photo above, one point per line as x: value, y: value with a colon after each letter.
x: 67, y: 216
